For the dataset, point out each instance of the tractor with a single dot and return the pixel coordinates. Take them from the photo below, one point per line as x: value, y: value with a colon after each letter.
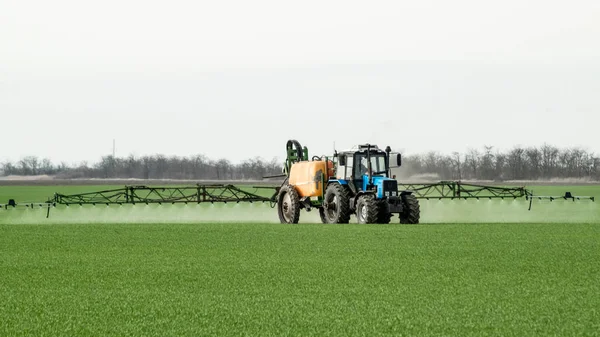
x: 357, y: 181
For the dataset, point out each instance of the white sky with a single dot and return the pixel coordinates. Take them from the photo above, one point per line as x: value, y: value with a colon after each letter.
x: 237, y: 79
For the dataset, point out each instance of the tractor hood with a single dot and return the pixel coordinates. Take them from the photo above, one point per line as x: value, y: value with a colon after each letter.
x: 384, y: 186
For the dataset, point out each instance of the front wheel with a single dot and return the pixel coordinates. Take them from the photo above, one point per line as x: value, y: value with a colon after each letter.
x: 411, y: 212
x: 367, y: 210
x: 384, y: 215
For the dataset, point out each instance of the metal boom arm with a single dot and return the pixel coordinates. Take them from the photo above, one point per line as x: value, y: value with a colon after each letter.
x: 456, y: 189
x: 459, y: 190
x: 145, y: 194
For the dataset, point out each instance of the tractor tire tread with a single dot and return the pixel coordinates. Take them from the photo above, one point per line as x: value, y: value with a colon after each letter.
x: 343, y: 197
x: 383, y: 217
x: 294, y: 204
x: 412, y: 211
x: 372, y: 215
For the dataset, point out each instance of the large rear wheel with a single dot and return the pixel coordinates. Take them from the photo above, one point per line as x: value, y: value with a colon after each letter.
x: 411, y: 212
x: 336, y: 206
x: 288, y: 205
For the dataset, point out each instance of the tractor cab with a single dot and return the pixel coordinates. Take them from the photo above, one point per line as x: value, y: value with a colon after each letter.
x: 367, y: 168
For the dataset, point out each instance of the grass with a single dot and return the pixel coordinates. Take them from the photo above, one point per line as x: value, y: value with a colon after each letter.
x: 278, y: 280
x: 100, y: 271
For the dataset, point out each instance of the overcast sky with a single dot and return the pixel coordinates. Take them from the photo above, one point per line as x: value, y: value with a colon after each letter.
x: 237, y: 79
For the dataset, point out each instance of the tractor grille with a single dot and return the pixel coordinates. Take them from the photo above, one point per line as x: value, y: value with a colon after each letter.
x: 390, y: 185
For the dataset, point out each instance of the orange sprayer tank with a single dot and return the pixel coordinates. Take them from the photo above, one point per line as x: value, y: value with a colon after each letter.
x: 308, y: 177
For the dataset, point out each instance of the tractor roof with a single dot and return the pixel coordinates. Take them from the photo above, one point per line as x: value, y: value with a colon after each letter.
x: 362, y: 147
x: 365, y: 146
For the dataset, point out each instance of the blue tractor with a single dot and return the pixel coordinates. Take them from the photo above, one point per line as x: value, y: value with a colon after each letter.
x: 364, y: 186
x: 357, y: 181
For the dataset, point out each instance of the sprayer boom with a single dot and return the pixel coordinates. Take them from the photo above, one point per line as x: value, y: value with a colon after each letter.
x: 159, y: 195
x: 151, y: 195
x: 459, y: 190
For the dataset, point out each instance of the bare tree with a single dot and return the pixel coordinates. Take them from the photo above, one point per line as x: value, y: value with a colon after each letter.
x: 47, y: 167
x: 9, y: 169
x: 161, y: 166
x: 456, y: 162
x: 29, y: 165
x: 431, y: 162
x: 534, y: 158
x: 106, y: 166
x: 146, y: 166
x: 516, y: 162
x: 487, y: 169
x: 549, y: 159
x: 499, y: 166
x: 472, y: 161
x: 223, y: 168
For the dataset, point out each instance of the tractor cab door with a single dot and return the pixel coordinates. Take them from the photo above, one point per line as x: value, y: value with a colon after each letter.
x: 360, y: 169
x: 347, y: 171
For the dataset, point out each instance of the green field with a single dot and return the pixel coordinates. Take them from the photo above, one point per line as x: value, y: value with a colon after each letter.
x: 176, y: 276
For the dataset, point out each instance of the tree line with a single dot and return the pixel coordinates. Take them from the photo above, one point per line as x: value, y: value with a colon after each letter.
x: 149, y: 167
x: 518, y: 163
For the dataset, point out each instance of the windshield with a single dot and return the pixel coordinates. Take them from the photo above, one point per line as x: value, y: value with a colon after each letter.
x: 377, y: 164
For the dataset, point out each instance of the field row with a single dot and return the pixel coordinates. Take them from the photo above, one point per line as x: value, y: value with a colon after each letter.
x: 279, y: 280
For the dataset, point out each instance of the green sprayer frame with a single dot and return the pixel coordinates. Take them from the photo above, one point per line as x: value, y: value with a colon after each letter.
x: 146, y: 194
x: 235, y: 194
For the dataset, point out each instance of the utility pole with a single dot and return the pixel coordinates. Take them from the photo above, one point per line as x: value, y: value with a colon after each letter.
x: 113, y: 148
